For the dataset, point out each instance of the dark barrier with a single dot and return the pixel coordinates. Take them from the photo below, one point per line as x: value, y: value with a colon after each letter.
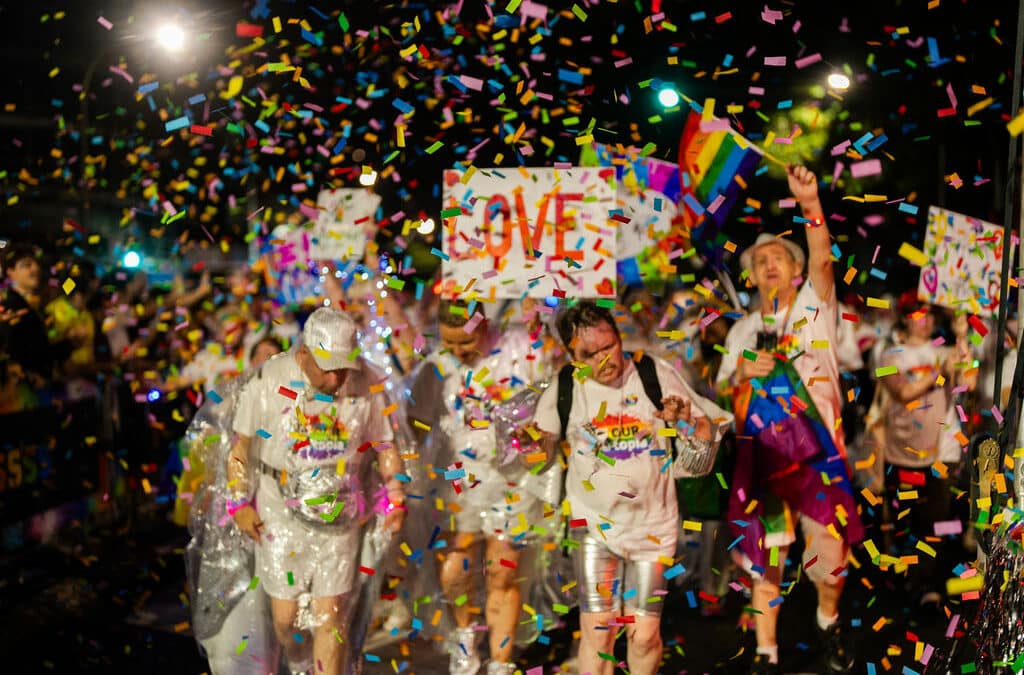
x: 48, y: 456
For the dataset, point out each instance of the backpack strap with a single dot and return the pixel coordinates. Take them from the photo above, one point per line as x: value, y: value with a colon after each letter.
x: 648, y: 372
x: 565, y: 385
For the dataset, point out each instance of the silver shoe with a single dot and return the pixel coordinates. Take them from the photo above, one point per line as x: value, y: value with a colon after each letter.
x: 464, y: 659
x: 500, y: 668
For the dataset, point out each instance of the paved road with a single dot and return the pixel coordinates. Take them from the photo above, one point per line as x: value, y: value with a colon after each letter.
x: 113, y: 602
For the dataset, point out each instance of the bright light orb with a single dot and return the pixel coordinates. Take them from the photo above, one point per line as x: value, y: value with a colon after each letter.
x: 131, y: 260
x: 426, y: 227
x: 368, y: 178
x: 838, y: 81
x: 668, y: 97
x: 171, y: 37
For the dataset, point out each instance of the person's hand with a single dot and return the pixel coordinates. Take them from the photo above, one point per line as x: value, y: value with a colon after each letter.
x: 803, y: 185
x: 534, y: 440
x: 960, y: 326
x: 675, y: 409
x: 9, y: 315
x: 248, y: 521
x: 394, y: 518
x: 759, y: 367
x: 205, y: 285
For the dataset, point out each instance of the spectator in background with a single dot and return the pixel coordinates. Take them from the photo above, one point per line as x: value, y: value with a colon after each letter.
x: 24, y: 336
x: 922, y: 428
x: 69, y: 319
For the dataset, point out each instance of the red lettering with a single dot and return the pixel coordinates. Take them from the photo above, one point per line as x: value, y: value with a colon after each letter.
x: 563, y: 225
x: 497, y: 250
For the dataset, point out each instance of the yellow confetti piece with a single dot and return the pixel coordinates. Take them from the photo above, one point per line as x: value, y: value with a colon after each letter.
x: 819, y: 344
x: 693, y: 525
x: 913, y: 254
x: 68, y: 286
x: 959, y: 586
x: 921, y: 546
x: 878, y: 303
x: 1016, y: 125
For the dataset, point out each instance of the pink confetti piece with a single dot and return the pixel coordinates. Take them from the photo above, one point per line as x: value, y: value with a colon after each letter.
x: 474, y: 83
x: 104, y: 22
x: 951, y: 628
x: 869, y: 167
x: 807, y: 60
x: 997, y: 415
x: 473, y: 322
x: 775, y: 60
x: 771, y: 15
x: 947, y: 527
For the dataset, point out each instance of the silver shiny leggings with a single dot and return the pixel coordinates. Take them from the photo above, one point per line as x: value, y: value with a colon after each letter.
x: 606, y: 582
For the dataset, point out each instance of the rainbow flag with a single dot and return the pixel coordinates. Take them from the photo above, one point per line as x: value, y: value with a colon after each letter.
x: 715, y: 164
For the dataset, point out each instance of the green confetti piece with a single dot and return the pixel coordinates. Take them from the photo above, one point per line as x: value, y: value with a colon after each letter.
x: 578, y: 11
x: 512, y: 6
x: 721, y: 480
x: 343, y: 21
x: 969, y: 668
x: 461, y: 600
x: 749, y: 355
x: 434, y: 147
x: 607, y: 657
x: 450, y: 213
x: 291, y: 579
x: 886, y: 370
x: 605, y: 458
x: 561, y: 609
x: 607, y: 303
x: 253, y: 583
x: 241, y: 646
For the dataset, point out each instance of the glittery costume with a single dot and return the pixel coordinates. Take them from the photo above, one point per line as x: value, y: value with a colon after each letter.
x: 481, y: 490
x: 319, y: 485
x: 230, y: 619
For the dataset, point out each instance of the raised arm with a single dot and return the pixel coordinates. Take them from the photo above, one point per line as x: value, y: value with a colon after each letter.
x: 803, y: 184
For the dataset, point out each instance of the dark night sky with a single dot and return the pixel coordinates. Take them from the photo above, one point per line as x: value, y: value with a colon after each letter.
x: 899, y: 91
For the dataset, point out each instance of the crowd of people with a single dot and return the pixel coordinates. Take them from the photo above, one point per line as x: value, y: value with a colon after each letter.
x: 457, y: 449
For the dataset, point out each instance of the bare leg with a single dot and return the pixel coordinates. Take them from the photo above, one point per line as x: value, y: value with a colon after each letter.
x: 457, y: 575
x: 644, y: 639
x: 284, y: 613
x: 828, y: 596
x: 596, y: 637
x: 766, y: 620
x: 504, y: 600
x: 330, y: 635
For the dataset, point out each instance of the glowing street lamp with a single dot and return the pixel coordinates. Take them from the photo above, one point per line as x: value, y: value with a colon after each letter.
x: 838, y: 82
x: 170, y: 36
x: 668, y: 97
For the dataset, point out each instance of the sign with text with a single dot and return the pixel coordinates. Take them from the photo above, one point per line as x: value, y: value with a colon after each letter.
x: 539, y: 231
x: 342, y: 216
x: 964, y: 266
x: 648, y: 192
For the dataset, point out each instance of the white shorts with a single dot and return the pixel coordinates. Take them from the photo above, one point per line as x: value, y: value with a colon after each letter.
x: 500, y: 520
x: 293, y: 558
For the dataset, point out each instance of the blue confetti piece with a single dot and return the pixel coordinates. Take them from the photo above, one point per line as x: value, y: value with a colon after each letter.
x: 214, y: 396
x: 175, y: 124
x: 263, y: 433
x: 674, y: 571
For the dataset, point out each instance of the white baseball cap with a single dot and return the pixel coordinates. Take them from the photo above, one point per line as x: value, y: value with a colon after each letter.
x: 746, y: 258
x: 330, y: 336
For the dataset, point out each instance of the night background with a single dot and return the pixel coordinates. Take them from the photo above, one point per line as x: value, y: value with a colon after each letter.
x: 112, y: 144
x: 930, y: 86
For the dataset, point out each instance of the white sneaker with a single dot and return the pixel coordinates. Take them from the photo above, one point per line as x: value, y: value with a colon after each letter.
x: 499, y: 668
x: 396, y: 615
x: 464, y: 658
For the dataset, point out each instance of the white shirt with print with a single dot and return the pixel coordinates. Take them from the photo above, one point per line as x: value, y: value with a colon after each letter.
x: 619, y: 469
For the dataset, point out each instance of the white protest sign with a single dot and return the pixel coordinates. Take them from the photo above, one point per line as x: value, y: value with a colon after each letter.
x: 540, y: 231
x: 342, y: 215
x: 964, y: 268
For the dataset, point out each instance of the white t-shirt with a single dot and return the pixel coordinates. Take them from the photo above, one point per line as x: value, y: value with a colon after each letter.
x: 311, y: 431
x: 626, y: 493
x: 459, y: 400
x: 918, y: 436
x: 810, y: 328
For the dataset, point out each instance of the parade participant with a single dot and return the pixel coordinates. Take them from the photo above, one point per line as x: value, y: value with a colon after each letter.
x: 622, y: 499
x: 785, y: 350
x: 921, y: 427
x: 454, y: 394
x: 226, y: 611
x: 314, y: 424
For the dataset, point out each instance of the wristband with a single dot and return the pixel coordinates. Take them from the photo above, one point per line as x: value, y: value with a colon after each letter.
x: 235, y: 505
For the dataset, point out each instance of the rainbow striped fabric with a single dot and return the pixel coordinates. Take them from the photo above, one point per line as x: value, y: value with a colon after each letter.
x: 715, y: 164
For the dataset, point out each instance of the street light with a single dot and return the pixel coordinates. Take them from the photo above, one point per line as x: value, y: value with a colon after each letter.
x: 668, y: 97
x: 170, y: 36
x: 838, y: 82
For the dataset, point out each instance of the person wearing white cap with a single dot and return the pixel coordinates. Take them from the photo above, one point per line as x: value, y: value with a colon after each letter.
x: 313, y: 425
x: 785, y: 348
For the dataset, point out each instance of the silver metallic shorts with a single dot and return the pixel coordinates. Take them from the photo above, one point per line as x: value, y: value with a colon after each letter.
x: 607, y: 582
